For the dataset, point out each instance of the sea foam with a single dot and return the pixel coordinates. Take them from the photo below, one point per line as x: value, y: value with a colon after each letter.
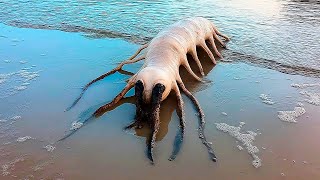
x: 291, y: 116
x: 245, y: 138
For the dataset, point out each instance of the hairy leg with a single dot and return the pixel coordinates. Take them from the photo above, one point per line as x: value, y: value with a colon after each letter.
x: 180, y: 135
x: 194, y: 54
x: 201, y: 119
x: 205, y: 47
x: 102, y: 109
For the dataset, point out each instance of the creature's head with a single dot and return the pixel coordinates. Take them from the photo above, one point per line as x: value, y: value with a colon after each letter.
x: 152, y: 80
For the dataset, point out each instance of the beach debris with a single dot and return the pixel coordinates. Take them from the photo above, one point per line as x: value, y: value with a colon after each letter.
x: 245, y: 138
x: 22, y: 62
x: 266, y: 99
x: 291, y: 116
x: 282, y: 174
x: 305, y: 85
x: 49, y: 148
x: 23, y: 139
x: 76, y: 125
x: 304, y: 162
x: 313, y: 98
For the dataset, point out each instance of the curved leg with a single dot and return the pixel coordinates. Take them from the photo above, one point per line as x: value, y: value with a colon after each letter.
x: 102, y: 109
x: 180, y: 135
x: 201, y: 118
x: 188, y: 68
x: 195, y: 57
x: 103, y: 76
x: 220, y: 34
x: 214, y: 47
x: 205, y: 47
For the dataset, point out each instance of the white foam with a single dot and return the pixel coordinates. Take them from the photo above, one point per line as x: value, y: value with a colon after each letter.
x: 23, y: 139
x: 305, y: 85
x: 15, y: 117
x: 76, y: 125
x: 224, y: 113
x: 10, y: 165
x: 245, y: 138
x: 240, y: 147
x: 20, y: 88
x: 49, y: 148
x: 291, y: 116
x: 300, y: 104
x: 266, y: 99
x: 313, y: 98
x: 22, y: 62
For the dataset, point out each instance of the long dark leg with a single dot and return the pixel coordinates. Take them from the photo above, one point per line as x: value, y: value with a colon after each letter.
x: 103, y: 76
x: 201, y: 118
x: 155, y: 118
x: 102, y: 109
x: 138, y: 89
x: 180, y: 135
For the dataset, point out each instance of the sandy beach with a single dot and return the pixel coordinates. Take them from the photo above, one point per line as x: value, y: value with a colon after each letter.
x: 41, y: 79
x: 261, y: 101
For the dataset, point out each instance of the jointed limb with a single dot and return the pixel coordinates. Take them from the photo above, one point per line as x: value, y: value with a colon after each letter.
x: 138, y: 51
x: 103, y: 76
x: 102, y: 109
x: 201, y: 118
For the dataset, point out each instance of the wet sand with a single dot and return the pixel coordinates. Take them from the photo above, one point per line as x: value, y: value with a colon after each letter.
x: 101, y: 149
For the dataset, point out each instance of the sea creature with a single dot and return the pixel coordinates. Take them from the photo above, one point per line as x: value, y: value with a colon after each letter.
x: 159, y: 75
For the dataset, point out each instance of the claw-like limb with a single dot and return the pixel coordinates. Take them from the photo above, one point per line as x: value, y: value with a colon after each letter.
x: 180, y: 135
x: 201, y: 118
x: 194, y: 55
x: 102, y: 109
x: 205, y: 47
x: 103, y: 76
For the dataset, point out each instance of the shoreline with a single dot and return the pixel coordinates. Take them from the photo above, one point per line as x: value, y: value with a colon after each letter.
x: 235, y: 94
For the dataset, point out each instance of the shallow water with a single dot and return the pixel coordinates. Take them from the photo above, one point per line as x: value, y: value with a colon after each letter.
x: 61, y: 63
x: 101, y: 149
x: 285, y: 31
